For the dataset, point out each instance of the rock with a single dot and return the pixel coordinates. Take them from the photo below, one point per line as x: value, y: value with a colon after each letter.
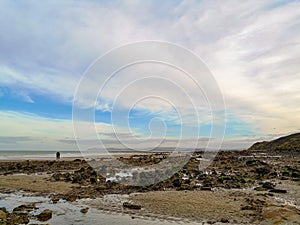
x: 84, y: 210
x: 259, y: 188
x: 295, y: 174
x: 255, y: 162
x: 24, y: 208
x: 265, y: 186
x: 281, y: 215
x: 255, y: 204
x: 176, y: 183
x: 57, y: 176
x: 71, y: 198
x: 55, y: 199
x: 268, y: 185
x: 2, y: 217
x: 18, y: 218
x: 224, y: 220
x: 262, y: 170
x: 3, y: 209
x: 205, y: 188
x: 45, y: 215
x: 131, y: 206
x: 77, y: 160
x: 278, y: 191
x: 93, y: 180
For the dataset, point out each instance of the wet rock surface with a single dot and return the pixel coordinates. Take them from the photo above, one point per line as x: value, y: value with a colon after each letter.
x: 45, y: 215
x: 131, y: 206
x: 84, y: 210
x: 22, y: 215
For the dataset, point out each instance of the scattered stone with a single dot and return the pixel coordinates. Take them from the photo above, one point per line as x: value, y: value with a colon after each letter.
x: 57, y: 176
x: 268, y: 185
x: 55, y: 199
x: 2, y: 217
x: 205, y: 188
x: 71, y: 198
x: 177, y: 183
x: 262, y: 170
x: 259, y: 188
x: 281, y: 215
x: 224, y: 220
x: 3, y: 209
x: 255, y: 203
x: 278, y: 191
x: 18, y: 218
x: 45, y: 215
x: 131, y: 206
x: 25, y: 208
x: 84, y: 210
x: 255, y: 162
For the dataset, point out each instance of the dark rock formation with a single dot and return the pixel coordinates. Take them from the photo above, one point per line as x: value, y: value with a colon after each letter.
x: 45, y: 215
x: 131, y: 206
x: 290, y: 142
x: 84, y: 210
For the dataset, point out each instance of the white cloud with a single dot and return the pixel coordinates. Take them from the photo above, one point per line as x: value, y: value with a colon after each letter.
x: 252, y: 48
x: 29, y: 131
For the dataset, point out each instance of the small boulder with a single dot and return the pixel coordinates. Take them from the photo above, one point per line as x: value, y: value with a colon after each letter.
x: 3, y: 209
x: 24, y: 208
x: 278, y: 191
x: 176, y: 183
x: 18, y: 218
x: 71, y: 198
x: 259, y: 188
x: 2, y: 217
x: 268, y: 185
x: 55, y: 199
x: 84, y: 210
x: 131, y: 206
x: 205, y: 188
x: 45, y: 215
x: 224, y: 220
x: 262, y: 170
x: 57, y: 176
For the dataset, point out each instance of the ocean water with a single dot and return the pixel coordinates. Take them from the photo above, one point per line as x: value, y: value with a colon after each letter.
x: 64, y: 154
x: 37, y: 155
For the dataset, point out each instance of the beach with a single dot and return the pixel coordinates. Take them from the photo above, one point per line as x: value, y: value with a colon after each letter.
x: 239, y: 187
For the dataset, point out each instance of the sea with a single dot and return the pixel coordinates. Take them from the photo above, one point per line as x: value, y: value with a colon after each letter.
x: 6, y: 155
x: 37, y: 155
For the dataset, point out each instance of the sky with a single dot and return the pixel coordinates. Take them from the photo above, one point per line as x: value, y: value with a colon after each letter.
x: 251, y: 48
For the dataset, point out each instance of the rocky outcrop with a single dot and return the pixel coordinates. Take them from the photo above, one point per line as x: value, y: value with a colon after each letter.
x: 290, y: 142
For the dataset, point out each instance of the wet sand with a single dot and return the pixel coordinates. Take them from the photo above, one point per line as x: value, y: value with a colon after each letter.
x: 224, y: 205
x: 34, y: 183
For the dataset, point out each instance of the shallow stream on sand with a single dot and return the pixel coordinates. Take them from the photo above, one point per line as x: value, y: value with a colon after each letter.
x: 69, y: 213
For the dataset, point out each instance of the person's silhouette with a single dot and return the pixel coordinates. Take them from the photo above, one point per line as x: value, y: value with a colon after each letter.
x: 57, y: 155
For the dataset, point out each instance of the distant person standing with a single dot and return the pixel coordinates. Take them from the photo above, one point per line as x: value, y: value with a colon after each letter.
x: 57, y: 155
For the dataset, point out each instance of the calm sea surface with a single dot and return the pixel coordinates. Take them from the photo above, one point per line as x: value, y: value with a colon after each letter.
x: 25, y: 154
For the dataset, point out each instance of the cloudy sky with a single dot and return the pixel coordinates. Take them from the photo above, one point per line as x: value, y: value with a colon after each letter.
x: 251, y: 48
